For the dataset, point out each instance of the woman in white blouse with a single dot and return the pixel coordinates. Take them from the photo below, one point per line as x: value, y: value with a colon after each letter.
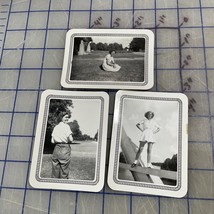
x: 109, y: 63
x: 149, y: 128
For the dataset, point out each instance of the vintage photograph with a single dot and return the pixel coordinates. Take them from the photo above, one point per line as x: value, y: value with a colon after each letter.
x: 151, y: 132
x: 106, y: 58
x: 72, y: 142
x: 148, y: 145
x: 70, y: 145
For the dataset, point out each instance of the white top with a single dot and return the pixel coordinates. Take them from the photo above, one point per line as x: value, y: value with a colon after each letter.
x: 61, y: 132
x: 149, y: 124
x: 109, y: 59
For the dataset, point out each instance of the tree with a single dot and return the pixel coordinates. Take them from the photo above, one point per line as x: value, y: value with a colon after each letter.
x: 86, y: 137
x: 100, y: 46
x: 77, y: 133
x: 170, y: 164
x: 137, y: 44
x: 75, y: 128
x: 93, y: 46
x: 56, y: 106
x: 105, y: 46
x: 115, y: 46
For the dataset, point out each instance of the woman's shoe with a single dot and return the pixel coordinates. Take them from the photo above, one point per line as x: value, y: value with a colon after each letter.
x: 133, y: 165
x: 149, y: 165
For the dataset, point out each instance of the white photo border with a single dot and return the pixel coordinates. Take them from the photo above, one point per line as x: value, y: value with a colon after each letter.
x: 70, y: 184
x: 138, y: 33
x: 181, y: 184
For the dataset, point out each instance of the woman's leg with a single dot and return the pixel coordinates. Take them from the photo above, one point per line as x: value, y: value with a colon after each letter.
x: 139, y: 151
x: 65, y: 161
x: 55, y: 168
x: 149, y: 154
x: 64, y: 170
x: 55, y: 163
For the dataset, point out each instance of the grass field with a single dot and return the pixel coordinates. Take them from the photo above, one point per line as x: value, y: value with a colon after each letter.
x: 87, y: 67
x: 82, y: 165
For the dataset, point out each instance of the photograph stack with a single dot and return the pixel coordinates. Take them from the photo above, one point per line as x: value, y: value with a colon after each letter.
x: 148, y: 146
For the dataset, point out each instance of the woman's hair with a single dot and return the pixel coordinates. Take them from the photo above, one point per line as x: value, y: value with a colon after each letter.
x: 149, y: 112
x: 62, y: 114
x: 112, y: 51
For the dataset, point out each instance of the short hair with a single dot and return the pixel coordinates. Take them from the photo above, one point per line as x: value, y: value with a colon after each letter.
x: 112, y: 51
x: 149, y: 112
x: 62, y: 114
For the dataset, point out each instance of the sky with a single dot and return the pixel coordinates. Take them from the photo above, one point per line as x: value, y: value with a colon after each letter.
x: 87, y: 113
x: 166, y: 115
x: 125, y: 41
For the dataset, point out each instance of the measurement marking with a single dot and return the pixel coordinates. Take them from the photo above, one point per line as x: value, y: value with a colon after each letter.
x: 5, y: 9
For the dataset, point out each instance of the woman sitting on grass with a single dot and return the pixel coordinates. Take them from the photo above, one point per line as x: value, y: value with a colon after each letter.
x: 109, y: 63
x: 62, y: 137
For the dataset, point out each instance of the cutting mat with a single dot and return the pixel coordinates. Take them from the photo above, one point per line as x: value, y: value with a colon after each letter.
x: 32, y: 36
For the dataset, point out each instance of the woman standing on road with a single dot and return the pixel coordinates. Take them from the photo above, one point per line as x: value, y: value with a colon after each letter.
x: 148, y: 127
x: 62, y: 137
x: 109, y: 63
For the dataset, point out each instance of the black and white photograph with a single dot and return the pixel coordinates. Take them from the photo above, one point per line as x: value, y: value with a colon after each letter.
x: 108, y: 59
x: 72, y: 141
x: 148, y: 151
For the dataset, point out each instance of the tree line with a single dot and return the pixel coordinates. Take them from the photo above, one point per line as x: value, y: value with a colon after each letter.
x: 168, y: 164
x: 107, y: 47
x: 136, y: 45
x: 77, y: 133
x: 171, y: 165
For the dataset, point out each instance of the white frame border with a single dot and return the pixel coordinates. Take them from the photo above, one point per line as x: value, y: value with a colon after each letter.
x: 69, y: 184
x: 148, y: 63
x: 145, y: 187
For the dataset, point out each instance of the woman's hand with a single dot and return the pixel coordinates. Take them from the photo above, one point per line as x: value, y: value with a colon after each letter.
x: 70, y: 138
x: 157, y: 130
x: 52, y: 140
x: 138, y: 126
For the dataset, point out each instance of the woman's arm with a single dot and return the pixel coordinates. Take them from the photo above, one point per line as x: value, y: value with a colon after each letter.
x: 109, y: 61
x: 70, y: 138
x: 138, y: 126
x: 52, y: 140
x: 157, y: 130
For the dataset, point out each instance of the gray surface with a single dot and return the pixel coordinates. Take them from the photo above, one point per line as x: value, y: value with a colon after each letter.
x: 24, y: 73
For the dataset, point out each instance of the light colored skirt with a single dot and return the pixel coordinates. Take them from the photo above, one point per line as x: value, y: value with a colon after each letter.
x: 148, y: 136
x: 114, y: 68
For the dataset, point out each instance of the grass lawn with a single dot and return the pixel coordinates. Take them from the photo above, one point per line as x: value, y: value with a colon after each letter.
x: 82, y: 165
x: 87, y: 67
